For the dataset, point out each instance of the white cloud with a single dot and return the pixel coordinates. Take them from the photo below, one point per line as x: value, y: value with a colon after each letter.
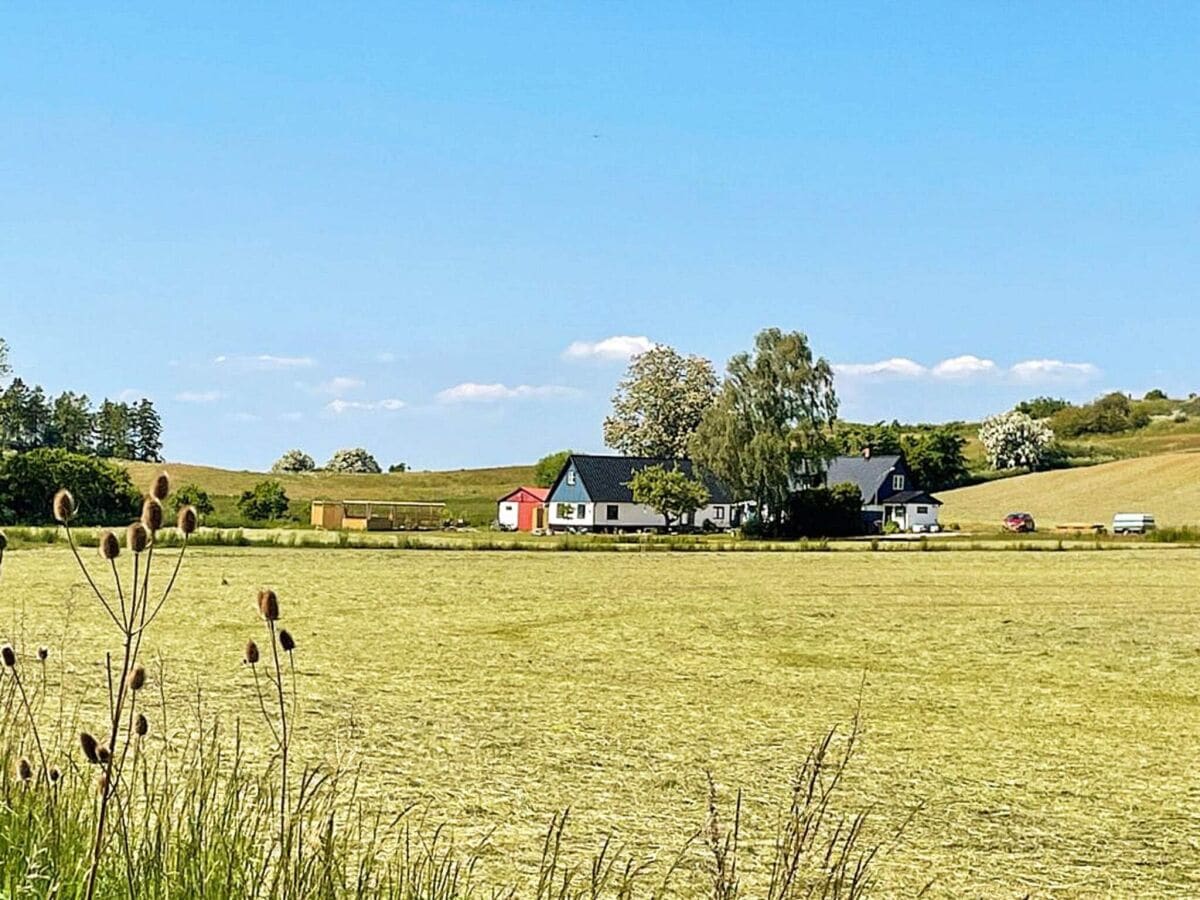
x: 131, y: 395
x: 199, y: 396
x: 385, y: 357
x: 265, y: 362
x: 339, y: 406
x: 617, y: 348
x: 966, y: 366
x: 471, y: 392
x: 340, y: 384
x: 897, y: 367
x: 1053, y: 370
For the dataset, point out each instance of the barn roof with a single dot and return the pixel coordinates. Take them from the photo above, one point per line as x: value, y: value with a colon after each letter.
x: 607, y: 478
x: 538, y: 493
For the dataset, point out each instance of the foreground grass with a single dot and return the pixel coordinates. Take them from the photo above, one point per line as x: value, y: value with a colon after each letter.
x: 1040, y: 705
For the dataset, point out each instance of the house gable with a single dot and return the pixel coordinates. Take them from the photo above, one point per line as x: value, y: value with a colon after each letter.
x: 569, y: 486
x: 605, y: 479
x: 880, y: 479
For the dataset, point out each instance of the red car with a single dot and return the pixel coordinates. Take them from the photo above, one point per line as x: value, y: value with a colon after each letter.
x: 1021, y: 523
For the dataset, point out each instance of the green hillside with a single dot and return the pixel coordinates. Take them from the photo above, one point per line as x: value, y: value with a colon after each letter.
x: 470, y: 494
x: 1167, y: 485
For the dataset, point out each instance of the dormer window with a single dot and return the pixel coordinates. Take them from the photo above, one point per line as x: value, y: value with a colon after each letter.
x: 571, y: 477
x: 897, y: 482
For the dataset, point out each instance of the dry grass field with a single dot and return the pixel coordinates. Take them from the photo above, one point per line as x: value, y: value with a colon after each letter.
x: 1166, y: 485
x: 1042, y: 706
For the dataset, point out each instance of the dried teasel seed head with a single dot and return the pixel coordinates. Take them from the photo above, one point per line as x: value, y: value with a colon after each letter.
x: 187, y: 520
x: 268, y: 604
x: 102, y: 784
x: 152, y: 514
x: 137, y: 537
x: 9, y: 655
x: 54, y: 774
x: 24, y: 769
x: 142, y: 725
x: 103, y: 754
x: 251, y: 656
x: 286, y: 641
x: 110, y: 546
x: 136, y: 679
x: 161, y: 486
x: 90, y: 750
x: 43, y: 653
x: 64, y: 506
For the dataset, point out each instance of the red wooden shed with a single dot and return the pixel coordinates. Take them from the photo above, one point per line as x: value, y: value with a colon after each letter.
x: 523, y: 509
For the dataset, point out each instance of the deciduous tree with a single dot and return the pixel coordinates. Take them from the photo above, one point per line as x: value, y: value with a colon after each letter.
x: 668, y: 491
x: 1014, y: 440
x: 659, y: 403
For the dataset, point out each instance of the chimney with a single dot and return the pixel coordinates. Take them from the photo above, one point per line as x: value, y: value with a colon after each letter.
x: 866, y: 453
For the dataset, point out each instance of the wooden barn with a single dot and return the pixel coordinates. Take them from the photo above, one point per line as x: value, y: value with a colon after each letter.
x: 523, y: 509
x: 377, y: 515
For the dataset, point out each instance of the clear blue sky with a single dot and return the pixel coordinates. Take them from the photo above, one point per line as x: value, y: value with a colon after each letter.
x: 321, y: 226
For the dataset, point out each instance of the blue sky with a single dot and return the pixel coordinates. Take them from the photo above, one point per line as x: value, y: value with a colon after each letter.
x: 320, y: 226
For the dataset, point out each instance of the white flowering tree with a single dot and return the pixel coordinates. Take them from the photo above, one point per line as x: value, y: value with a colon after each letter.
x: 294, y: 461
x: 1014, y: 440
x: 355, y: 459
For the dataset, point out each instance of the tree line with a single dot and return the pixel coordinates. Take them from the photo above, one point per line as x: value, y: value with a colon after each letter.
x: 31, y: 419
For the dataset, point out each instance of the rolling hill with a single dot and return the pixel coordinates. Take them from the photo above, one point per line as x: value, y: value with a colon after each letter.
x: 1167, y: 485
x: 468, y: 493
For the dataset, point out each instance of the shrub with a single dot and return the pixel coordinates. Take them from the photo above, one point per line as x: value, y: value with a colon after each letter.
x: 824, y: 512
x: 267, y: 500
x: 192, y: 495
x: 548, y: 467
x: 397, y: 467
x: 294, y: 461
x: 1042, y: 407
x: 103, y: 493
x: 1111, y: 414
x: 1156, y: 394
x: 353, y: 460
x: 1013, y: 440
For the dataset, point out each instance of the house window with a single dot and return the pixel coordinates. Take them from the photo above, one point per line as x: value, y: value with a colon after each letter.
x: 718, y: 512
x: 565, y: 510
x: 571, y: 477
x: 922, y: 510
x: 612, y: 513
x: 897, y: 482
x: 580, y: 511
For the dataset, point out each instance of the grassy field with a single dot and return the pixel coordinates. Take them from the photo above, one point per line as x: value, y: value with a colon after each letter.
x: 1166, y: 485
x: 1042, y: 706
x: 470, y: 494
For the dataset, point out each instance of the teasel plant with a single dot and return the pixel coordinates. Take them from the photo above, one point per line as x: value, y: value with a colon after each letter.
x: 132, y: 606
x: 272, y: 694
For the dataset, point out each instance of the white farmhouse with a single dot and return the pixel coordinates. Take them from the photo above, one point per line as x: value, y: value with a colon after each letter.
x: 889, y: 492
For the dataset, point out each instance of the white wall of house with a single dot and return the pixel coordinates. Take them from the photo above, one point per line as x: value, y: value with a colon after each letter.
x: 914, y: 516
x: 507, y: 515
x: 626, y: 515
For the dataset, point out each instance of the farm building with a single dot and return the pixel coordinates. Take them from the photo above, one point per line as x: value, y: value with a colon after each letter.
x: 889, y: 491
x: 523, y: 509
x: 592, y: 493
x: 376, y: 515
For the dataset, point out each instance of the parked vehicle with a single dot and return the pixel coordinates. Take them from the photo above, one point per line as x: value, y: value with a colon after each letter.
x: 1020, y: 522
x: 1132, y: 523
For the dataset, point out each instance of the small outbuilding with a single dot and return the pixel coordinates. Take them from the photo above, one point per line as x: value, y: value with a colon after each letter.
x: 523, y: 509
x: 377, y: 515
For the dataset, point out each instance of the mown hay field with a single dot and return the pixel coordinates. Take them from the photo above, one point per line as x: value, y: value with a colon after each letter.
x: 1043, y: 707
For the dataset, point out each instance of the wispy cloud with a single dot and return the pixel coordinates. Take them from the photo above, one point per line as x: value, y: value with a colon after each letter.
x: 339, y: 406
x: 340, y: 384
x: 617, y: 348
x: 385, y: 357
x: 131, y: 395
x: 968, y: 367
x: 266, y: 362
x: 199, y: 396
x: 1054, y: 370
x: 472, y: 392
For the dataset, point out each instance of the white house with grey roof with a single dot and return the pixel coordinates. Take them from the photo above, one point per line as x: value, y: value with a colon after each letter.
x: 592, y: 493
x: 889, y: 491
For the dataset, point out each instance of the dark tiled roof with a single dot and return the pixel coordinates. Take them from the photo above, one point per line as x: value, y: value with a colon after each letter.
x: 607, y: 477
x: 869, y: 473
